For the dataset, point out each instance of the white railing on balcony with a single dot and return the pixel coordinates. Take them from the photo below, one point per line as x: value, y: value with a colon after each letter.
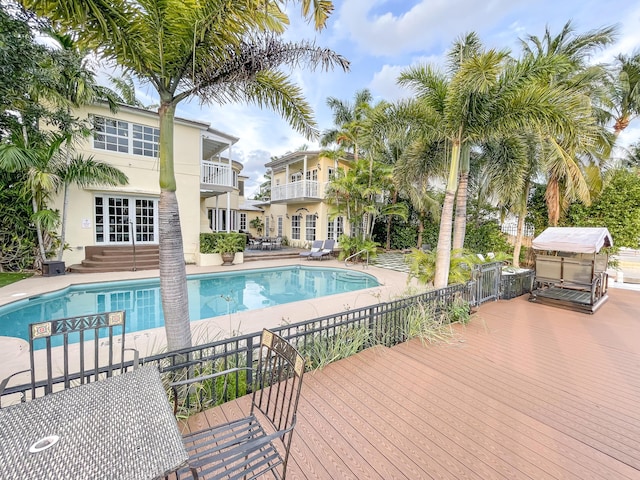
x: 213, y: 173
x: 300, y: 189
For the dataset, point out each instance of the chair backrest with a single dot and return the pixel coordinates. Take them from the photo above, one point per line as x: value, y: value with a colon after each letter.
x: 279, y: 380
x: 328, y: 245
x: 316, y: 246
x: 82, y: 349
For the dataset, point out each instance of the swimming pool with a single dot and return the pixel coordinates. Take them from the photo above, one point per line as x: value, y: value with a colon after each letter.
x: 210, y: 295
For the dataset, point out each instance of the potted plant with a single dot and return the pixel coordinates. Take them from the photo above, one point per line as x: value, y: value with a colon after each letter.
x: 227, y: 245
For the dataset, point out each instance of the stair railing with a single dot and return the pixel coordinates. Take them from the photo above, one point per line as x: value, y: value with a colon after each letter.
x: 364, y: 265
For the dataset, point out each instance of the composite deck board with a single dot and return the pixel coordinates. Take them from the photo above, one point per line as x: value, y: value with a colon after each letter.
x: 526, y: 391
x: 427, y: 414
x: 596, y: 419
x: 355, y: 430
x: 477, y: 430
x: 563, y: 416
x: 533, y: 426
x: 519, y: 434
x: 585, y: 383
x: 392, y: 437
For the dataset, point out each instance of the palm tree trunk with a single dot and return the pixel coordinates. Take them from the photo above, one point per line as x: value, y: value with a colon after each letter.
x: 552, y: 196
x: 443, y: 251
x: 394, y: 200
x: 420, y: 231
x: 63, y: 226
x: 34, y: 204
x: 173, y: 274
x: 460, y: 222
x: 518, y: 243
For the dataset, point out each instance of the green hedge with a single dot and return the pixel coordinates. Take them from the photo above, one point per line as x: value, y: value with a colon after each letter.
x: 208, y: 241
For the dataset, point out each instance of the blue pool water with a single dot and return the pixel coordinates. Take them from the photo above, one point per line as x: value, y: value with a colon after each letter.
x: 210, y: 295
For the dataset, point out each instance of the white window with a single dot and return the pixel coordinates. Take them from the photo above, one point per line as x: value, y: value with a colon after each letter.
x: 335, y: 228
x: 146, y: 140
x: 295, y: 227
x: 280, y: 223
x: 124, y: 137
x: 312, y: 175
x: 296, y: 177
x: 243, y: 222
x: 112, y: 135
x: 266, y: 226
x: 310, y: 227
x: 117, y: 217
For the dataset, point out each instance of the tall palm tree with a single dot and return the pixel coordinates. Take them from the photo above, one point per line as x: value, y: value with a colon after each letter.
x: 348, y: 119
x: 218, y: 51
x: 489, y: 95
x: 565, y: 175
x: 465, y: 47
x: 512, y: 163
x: 625, y: 91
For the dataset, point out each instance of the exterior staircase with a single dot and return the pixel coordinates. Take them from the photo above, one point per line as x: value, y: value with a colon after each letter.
x: 118, y: 259
x: 256, y: 255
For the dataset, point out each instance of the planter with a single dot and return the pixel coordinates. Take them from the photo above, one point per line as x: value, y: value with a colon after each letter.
x: 215, y: 259
x: 52, y: 268
x: 227, y: 258
x: 513, y: 285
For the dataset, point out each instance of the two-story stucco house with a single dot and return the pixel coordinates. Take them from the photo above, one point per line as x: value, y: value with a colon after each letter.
x: 297, y: 208
x: 105, y: 222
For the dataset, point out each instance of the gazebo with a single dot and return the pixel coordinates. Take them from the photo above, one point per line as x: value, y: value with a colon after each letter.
x: 570, y: 267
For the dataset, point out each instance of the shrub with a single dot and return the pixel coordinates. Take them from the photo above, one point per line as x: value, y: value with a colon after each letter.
x: 221, y: 242
x: 346, y: 341
x: 352, y: 245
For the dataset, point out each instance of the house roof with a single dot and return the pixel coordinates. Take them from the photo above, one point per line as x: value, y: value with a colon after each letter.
x: 250, y: 205
x: 573, y: 239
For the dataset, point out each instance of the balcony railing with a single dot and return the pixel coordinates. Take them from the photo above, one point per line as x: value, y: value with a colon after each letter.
x: 213, y: 173
x: 300, y: 189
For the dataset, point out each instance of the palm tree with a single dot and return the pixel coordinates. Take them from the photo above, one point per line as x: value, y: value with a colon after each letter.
x: 489, y: 95
x: 40, y: 156
x: 565, y: 175
x: 512, y: 163
x: 348, y: 120
x: 625, y: 91
x: 465, y: 47
x: 218, y: 51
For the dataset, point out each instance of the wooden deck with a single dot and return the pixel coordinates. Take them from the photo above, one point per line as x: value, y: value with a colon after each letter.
x: 526, y: 391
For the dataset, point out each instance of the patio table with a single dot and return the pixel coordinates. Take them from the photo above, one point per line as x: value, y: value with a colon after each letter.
x: 117, y: 428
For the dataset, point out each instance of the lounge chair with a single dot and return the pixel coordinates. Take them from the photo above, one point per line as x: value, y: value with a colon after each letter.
x: 315, y: 248
x: 326, y: 251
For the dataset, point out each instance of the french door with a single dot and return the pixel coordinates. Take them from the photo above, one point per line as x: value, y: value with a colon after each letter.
x: 117, y: 218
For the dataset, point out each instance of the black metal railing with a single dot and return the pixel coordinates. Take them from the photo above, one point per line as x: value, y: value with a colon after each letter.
x: 384, y: 321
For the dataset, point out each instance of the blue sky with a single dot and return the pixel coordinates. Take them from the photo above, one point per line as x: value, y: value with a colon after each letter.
x: 382, y: 37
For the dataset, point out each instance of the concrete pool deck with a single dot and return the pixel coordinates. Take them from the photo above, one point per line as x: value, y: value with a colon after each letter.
x: 14, y: 352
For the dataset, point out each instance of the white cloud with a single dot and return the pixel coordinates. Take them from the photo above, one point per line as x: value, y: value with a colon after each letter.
x: 426, y: 25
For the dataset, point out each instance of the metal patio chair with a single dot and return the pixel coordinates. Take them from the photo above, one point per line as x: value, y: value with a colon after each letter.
x: 259, y: 443
x: 81, y: 354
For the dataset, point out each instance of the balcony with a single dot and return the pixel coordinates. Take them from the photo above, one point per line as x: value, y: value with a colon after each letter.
x: 216, y: 178
x: 300, y: 191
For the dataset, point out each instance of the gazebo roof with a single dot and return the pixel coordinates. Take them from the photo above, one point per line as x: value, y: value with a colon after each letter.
x: 573, y: 239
